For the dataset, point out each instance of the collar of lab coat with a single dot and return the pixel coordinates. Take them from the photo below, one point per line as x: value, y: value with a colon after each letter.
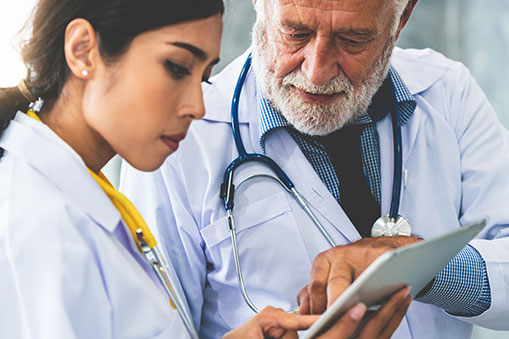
x: 418, y: 75
x: 37, y: 145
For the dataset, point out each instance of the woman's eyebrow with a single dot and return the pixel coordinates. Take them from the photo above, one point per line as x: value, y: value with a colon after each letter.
x: 197, y: 52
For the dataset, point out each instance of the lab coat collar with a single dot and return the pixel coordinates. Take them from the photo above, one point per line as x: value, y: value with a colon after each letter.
x: 220, y: 96
x: 418, y: 74
x: 407, y: 63
x: 38, y: 146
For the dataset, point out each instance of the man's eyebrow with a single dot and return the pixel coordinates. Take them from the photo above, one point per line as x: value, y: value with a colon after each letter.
x: 197, y: 52
x: 295, y: 25
x: 361, y: 33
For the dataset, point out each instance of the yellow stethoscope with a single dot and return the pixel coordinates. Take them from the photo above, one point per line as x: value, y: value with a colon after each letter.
x: 141, y: 234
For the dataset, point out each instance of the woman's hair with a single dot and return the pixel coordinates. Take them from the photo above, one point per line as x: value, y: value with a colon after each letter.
x: 116, y: 22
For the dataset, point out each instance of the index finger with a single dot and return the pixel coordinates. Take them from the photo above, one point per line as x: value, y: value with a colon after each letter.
x: 285, y: 320
x: 317, y: 288
x: 340, y: 277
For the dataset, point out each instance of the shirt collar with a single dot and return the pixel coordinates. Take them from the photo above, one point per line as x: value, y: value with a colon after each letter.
x: 270, y: 119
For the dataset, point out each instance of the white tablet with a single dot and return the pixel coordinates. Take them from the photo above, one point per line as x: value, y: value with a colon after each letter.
x: 414, y: 265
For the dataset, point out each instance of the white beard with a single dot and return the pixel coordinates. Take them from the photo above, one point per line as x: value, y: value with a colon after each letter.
x: 308, y: 118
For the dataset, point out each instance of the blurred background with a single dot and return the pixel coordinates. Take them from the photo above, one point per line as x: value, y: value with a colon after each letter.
x: 471, y: 31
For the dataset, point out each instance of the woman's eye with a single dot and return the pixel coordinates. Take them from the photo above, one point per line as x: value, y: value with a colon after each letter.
x: 176, y: 70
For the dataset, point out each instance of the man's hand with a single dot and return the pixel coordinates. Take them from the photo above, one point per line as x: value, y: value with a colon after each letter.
x: 335, y: 269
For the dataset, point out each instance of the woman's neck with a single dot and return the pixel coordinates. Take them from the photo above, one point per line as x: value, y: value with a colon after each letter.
x: 66, y: 119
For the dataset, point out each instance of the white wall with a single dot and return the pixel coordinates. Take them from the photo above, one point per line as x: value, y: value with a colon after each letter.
x: 13, y: 14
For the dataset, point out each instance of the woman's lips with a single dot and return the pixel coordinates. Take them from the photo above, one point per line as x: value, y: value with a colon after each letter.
x: 172, y: 141
x: 321, y: 99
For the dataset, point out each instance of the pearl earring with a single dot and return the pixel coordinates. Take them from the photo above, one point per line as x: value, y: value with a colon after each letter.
x: 84, y: 72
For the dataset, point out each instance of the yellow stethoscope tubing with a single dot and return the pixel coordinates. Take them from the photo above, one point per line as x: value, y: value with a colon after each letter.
x: 148, y: 247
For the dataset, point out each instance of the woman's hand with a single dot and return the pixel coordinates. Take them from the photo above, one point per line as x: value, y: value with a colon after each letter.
x: 276, y: 323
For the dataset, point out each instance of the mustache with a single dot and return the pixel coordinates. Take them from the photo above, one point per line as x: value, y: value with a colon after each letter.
x: 339, y: 84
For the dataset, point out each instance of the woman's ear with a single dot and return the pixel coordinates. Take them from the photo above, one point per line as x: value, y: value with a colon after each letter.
x: 81, y: 48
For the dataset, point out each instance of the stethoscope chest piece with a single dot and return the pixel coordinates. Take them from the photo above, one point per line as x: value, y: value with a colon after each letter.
x: 386, y: 226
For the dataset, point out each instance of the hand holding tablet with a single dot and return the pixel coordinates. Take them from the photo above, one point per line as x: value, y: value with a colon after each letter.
x: 414, y: 266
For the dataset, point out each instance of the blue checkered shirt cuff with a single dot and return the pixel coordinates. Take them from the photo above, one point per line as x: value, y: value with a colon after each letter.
x: 462, y: 288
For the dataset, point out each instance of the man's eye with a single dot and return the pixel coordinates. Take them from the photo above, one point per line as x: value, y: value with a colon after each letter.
x: 176, y: 70
x: 351, y: 42
x: 299, y: 36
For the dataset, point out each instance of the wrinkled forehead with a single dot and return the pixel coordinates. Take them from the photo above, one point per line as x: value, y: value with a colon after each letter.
x: 333, y: 13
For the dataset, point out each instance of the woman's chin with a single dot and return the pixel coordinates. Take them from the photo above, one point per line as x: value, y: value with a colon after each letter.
x: 146, y: 165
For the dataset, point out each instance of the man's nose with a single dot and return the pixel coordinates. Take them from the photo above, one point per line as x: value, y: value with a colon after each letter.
x: 321, y: 61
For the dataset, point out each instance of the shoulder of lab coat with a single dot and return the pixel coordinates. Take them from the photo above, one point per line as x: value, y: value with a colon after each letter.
x: 58, y: 254
x: 50, y: 279
x: 484, y: 149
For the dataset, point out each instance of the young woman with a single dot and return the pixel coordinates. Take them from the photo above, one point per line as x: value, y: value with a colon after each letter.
x: 107, y: 77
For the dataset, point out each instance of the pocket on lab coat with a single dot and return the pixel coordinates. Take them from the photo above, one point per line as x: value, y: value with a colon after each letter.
x: 273, y: 258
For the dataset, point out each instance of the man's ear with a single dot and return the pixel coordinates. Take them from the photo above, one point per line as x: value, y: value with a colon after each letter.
x: 81, y: 48
x: 405, y: 16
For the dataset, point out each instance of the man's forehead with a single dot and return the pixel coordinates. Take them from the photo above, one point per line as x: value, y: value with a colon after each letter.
x: 329, y: 5
x: 368, y: 15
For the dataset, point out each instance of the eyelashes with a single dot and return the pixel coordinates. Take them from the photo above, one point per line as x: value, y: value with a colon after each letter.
x: 177, y: 71
x: 180, y: 72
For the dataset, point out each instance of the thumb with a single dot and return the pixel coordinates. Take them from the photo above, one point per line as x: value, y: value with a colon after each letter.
x: 348, y: 323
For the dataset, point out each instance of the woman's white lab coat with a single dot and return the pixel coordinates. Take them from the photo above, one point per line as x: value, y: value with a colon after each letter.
x: 456, y: 165
x: 67, y: 267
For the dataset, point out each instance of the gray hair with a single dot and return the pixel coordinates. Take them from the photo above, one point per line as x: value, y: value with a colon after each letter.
x: 400, y: 8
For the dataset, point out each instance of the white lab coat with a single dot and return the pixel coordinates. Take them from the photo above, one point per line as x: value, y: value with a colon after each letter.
x: 456, y: 164
x: 67, y: 268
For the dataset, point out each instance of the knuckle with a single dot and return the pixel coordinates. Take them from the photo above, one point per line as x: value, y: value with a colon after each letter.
x: 317, y: 285
x: 320, y: 257
x: 269, y: 309
x: 303, y: 293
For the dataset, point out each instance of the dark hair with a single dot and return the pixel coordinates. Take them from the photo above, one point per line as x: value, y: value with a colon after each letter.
x: 117, y: 23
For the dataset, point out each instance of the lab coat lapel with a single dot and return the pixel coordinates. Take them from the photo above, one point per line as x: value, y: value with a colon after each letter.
x: 285, y: 151
x: 409, y: 133
x: 385, y: 135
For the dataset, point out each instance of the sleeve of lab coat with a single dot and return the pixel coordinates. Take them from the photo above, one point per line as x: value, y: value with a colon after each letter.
x: 161, y: 199
x: 50, y: 291
x: 484, y: 149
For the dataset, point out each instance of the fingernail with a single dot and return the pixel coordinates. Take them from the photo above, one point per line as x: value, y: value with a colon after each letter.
x: 406, y: 293
x: 358, y: 312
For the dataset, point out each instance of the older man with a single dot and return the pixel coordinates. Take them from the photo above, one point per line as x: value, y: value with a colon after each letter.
x: 325, y: 85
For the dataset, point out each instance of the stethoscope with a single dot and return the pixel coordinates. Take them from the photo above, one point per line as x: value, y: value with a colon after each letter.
x: 387, y: 225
